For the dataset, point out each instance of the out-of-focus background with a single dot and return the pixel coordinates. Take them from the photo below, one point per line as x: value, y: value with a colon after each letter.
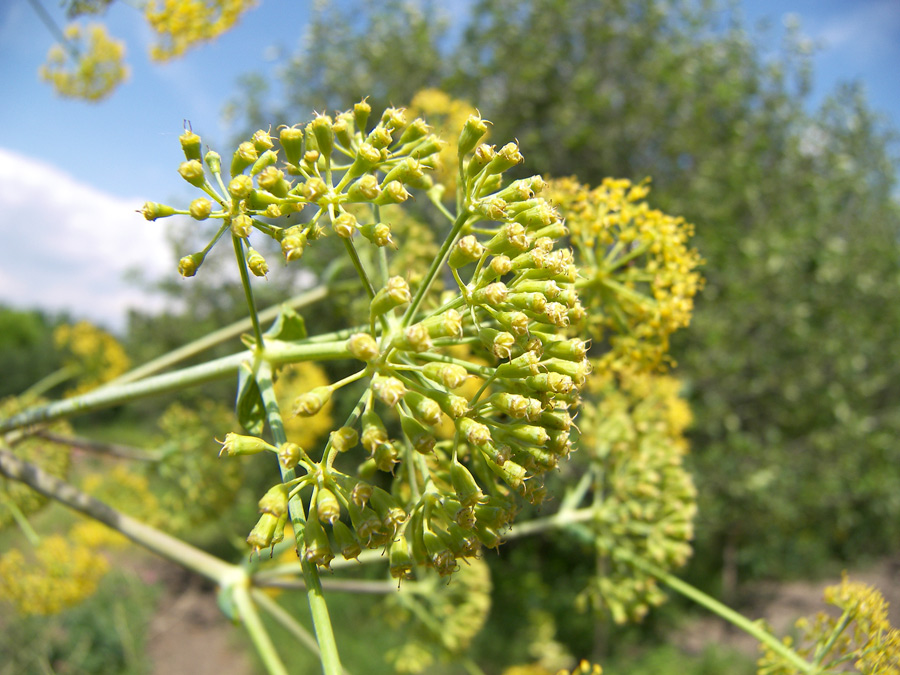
x: 769, y: 125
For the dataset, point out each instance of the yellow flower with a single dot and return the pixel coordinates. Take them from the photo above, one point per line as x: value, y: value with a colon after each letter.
x: 95, y: 355
x: 640, y: 277
x: 89, y: 66
x: 292, y: 382
x: 182, y: 24
x: 60, y: 574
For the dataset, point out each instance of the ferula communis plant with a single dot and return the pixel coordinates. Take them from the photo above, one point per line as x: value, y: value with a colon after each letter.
x: 416, y: 433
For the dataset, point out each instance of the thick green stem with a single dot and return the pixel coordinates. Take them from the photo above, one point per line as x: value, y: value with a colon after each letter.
x: 275, y: 353
x: 436, y: 265
x: 331, y: 662
x: 150, y: 538
x: 257, y: 631
x: 218, y: 337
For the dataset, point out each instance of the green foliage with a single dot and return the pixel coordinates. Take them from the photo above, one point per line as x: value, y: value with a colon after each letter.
x: 27, y: 352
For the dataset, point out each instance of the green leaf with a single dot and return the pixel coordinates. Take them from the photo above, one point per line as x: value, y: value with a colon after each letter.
x: 288, y: 326
x: 249, y: 406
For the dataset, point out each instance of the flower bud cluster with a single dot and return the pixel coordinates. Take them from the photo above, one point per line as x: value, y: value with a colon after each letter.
x: 639, y: 277
x: 319, y: 170
x: 633, y: 437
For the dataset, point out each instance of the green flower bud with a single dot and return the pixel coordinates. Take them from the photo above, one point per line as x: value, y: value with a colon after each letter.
x: 257, y: 263
x: 505, y: 159
x: 386, y: 457
x: 361, y: 493
x: 467, y: 250
x: 467, y: 489
x: 243, y: 157
x: 192, y: 172
x: 515, y: 322
x: 528, y: 433
x: 366, y: 523
x: 391, y: 514
x: 401, y: 562
x: 324, y: 134
x: 440, y: 556
x: 392, y: 193
x: 501, y: 343
x: 450, y: 375
x: 406, y: 171
x: 272, y: 180
x: 487, y: 535
x: 394, y: 294
x: 292, y: 142
x: 200, y: 208
x: 310, y: 159
x: 533, y: 302
x: 374, y: 432
x: 314, y: 189
x: 500, y: 265
x: 293, y: 244
x: 345, y: 225
x: 214, y: 161
x: 472, y: 132
x: 344, y: 438
x: 417, y: 129
x: 235, y: 444
x: 378, y: 233
x: 190, y: 144
x: 242, y: 226
x: 379, y: 137
x: 423, y: 408
x: 418, y: 434
x: 275, y: 501
x: 483, y: 154
x: 367, y: 158
x: 363, y: 346
x: 513, y: 405
x: 521, y: 366
x: 262, y: 140
x: 273, y: 211
x: 318, y: 548
x: 366, y: 189
x: 346, y: 540
x: 493, y: 294
x: 240, y: 186
x: 394, y: 118
x: 511, y: 239
x: 415, y: 338
x: 263, y: 533
x: 454, y: 406
x: 558, y: 420
x: 388, y: 389
x: 430, y: 145
x: 328, y: 509
x: 265, y: 161
x: 474, y: 432
x: 152, y: 211
x: 289, y: 455
x: 551, y: 382
x: 189, y: 264
x: 361, y: 113
x: 308, y: 404
x: 343, y: 129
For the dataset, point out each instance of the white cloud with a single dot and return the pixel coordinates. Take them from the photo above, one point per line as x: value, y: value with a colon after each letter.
x: 66, y: 245
x: 866, y: 31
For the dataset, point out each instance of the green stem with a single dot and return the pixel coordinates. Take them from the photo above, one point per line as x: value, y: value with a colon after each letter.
x: 33, y: 538
x: 436, y: 265
x: 276, y: 353
x: 257, y: 631
x: 217, y: 337
x: 90, y: 445
x: 360, y: 270
x: 248, y: 292
x: 150, y: 538
x: 331, y: 662
x: 750, y: 627
x: 47, y: 383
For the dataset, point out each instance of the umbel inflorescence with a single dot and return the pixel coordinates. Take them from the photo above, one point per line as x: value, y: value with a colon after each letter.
x: 464, y: 398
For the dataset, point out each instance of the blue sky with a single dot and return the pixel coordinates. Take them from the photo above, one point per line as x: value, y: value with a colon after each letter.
x: 72, y: 174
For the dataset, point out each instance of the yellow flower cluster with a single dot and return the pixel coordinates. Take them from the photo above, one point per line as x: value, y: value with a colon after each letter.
x: 94, y: 354
x: 292, y: 381
x: 181, y: 24
x: 861, y: 636
x: 639, y: 276
x: 448, y: 115
x: 61, y: 573
x: 89, y: 66
x: 51, y: 457
x: 634, y: 437
x: 125, y: 491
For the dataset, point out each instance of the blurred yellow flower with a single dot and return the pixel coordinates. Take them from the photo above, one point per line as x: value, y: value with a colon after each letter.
x: 89, y: 66
x: 182, y: 24
x: 93, y: 354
